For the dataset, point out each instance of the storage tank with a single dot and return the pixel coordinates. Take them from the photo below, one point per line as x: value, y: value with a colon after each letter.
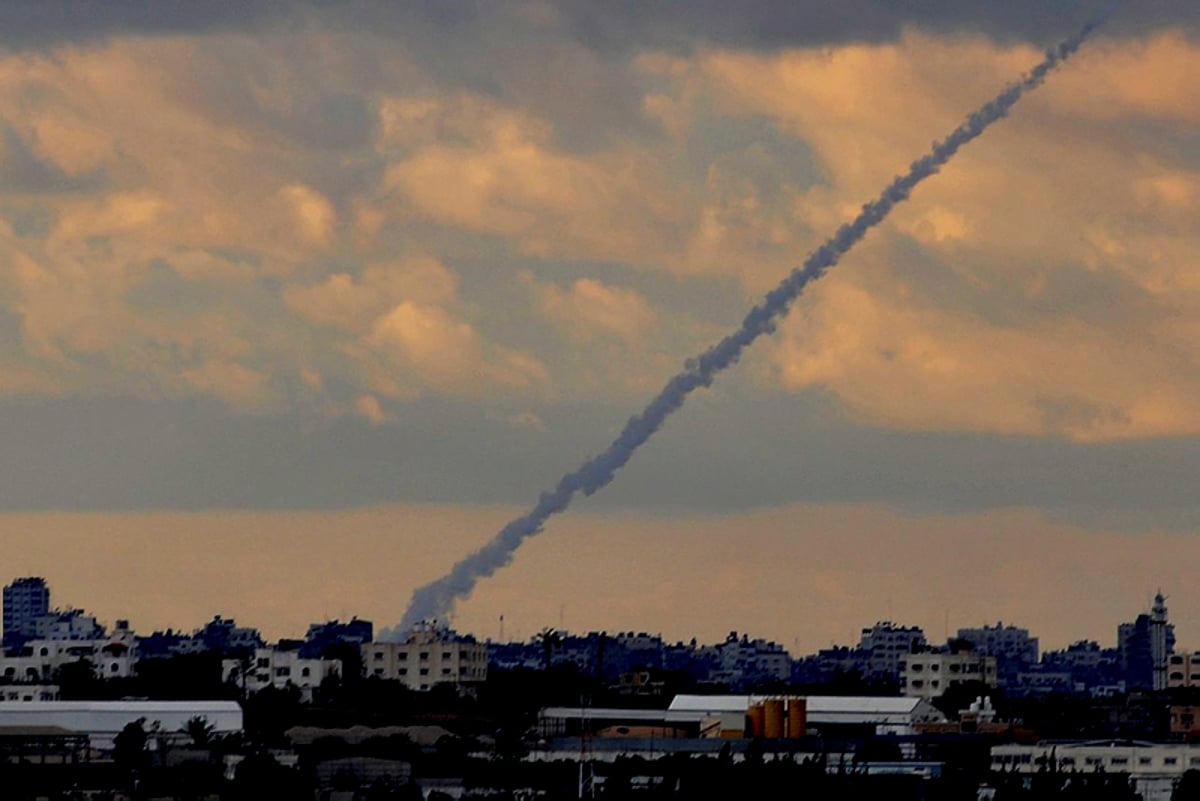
x: 773, y: 714
x: 755, y: 721
x: 797, y: 717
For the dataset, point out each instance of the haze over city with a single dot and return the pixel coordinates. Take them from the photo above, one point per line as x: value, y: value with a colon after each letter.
x: 302, y: 305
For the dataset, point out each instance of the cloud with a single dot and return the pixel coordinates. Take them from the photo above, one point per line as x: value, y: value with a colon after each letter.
x: 369, y: 407
x: 470, y: 163
x: 1038, y: 286
x: 591, y: 308
x: 446, y: 353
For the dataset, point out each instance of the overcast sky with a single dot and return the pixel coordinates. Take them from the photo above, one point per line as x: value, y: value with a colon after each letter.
x: 272, y: 272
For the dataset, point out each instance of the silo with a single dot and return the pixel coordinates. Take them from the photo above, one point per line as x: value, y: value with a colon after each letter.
x: 755, y: 720
x: 797, y: 717
x: 773, y: 723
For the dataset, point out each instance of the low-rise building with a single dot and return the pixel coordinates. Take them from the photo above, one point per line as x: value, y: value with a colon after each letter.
x: 1153, y: 767
x: 429, y: 655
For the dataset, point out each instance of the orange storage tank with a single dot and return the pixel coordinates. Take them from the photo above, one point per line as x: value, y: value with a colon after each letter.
x: 797, y: 717
x: 755, y: 721
x: 773, y: 724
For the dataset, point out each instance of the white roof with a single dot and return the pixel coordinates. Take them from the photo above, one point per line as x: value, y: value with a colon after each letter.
x: 109, y: 717
x: 819, y: 708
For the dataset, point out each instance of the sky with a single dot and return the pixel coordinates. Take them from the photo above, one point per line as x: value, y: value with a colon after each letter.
x: 299, y: 303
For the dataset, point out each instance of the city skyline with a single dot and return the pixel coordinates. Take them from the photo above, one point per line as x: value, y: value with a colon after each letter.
x: 301, y: 303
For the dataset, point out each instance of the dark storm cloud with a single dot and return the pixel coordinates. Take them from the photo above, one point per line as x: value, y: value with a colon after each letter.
x: 123, y: 454
x: 617, y: 25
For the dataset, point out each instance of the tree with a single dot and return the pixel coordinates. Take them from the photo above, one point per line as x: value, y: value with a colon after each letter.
x: 129, y: 746
x: 199, y: 731
x: 1188, y: 788
x: 549, y: 640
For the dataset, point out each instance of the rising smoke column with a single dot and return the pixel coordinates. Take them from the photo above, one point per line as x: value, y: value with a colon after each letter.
x: 436, y: 599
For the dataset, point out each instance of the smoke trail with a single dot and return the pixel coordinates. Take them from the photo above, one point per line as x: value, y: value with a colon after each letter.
x: 437, y: 598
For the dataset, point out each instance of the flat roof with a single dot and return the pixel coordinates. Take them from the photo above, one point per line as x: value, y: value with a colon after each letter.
x: 815, y: 704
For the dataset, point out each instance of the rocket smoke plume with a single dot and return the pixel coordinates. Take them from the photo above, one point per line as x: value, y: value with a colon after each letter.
x: 436, y: 599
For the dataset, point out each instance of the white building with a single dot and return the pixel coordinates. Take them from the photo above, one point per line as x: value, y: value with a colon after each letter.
x: 427, y: 657
x: 931, y: 674
x: 1154, y: 767
x: 110, y: 657
x: 1158, y: 642
x: 271, y: 667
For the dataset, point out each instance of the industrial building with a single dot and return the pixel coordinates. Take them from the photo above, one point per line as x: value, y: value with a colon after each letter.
x: 101, y: 721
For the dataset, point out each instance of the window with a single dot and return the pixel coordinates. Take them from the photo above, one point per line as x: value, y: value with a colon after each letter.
x: 1176, y: 676
x: 955, y: 668
x: 423, y: 656
x: 403, y: 671
x: 1143, y: 760
x: 917, y: 667
x: 283, y: 671
x: 445, y: 654
x: 918, y: 684
x: 379, y: 656
x: 933, y: 683
x: 306, y: 672
x: 1068, y: 761
x: 1170, y: 760
x: 1119, y: 761
x: 378, y: 671
x: 402, y: 656
x: 114, y: 668
x: 445, y: 671
x: 935, y: 667
x: 264, y: 662
x: 424, y: 671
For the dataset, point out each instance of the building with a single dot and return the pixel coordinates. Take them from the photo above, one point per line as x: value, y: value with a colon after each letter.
x: 322, y: 636
x: 1159, y: 650
x: 279, y: 668
x: 1015, y: 651
x: 1144, y: 646
x: 1183, y: 669
x: 101, y: 721
x: 742, y: 662
x: 827, y: 715
x: 67, y: 624
x: 1153, y: 767
x: 38, y: 661
x: 881, y: 647
x: 25, y: 600
x: 226, y: 637
x: 429, y: 655
x: 929, y: 675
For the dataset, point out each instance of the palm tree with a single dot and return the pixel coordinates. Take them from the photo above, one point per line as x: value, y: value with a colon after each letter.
x: 549, y: 639
x: 199, y: 730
